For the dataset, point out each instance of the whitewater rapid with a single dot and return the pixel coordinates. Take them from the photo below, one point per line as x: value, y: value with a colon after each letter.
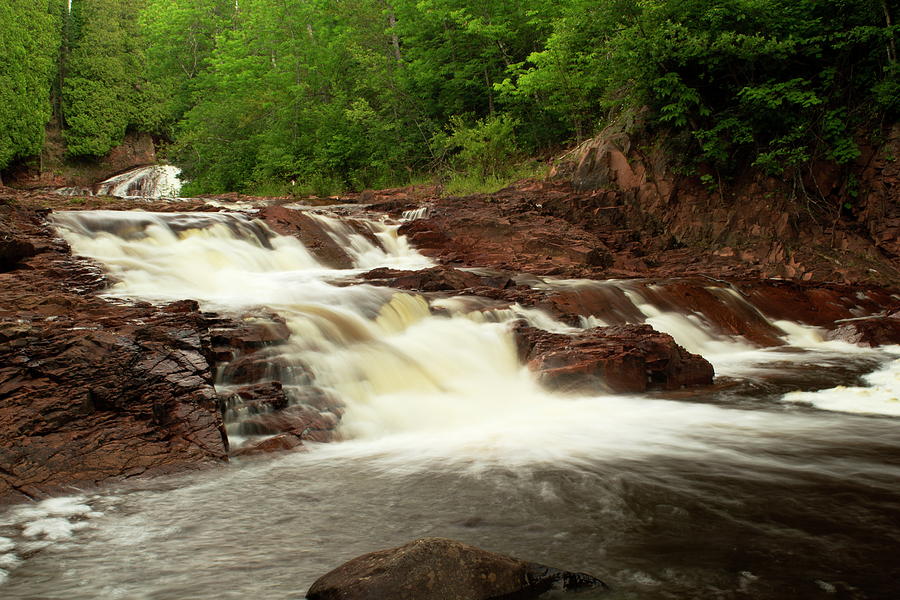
x: 447, y: 433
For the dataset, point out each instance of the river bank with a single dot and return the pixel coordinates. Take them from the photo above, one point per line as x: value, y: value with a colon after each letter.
x: 208, y: 332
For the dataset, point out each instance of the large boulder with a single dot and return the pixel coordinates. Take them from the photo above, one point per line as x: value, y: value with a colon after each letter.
x: 442, y: 569
x: 622, y: 358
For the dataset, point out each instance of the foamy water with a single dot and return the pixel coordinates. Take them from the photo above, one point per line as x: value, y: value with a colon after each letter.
x: 443, y: 426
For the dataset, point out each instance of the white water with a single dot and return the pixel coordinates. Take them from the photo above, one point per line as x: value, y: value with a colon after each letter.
x: 155, y: 181
x: 398, y: 368
x: 879, y: 396
x: 437, y: 406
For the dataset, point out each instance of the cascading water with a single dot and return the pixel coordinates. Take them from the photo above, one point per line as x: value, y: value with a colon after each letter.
x: 729, y: 492
x: 155, y: 181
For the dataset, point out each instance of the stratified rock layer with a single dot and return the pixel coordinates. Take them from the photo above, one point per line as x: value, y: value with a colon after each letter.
x: 442, y: 569
x: 90, y: 390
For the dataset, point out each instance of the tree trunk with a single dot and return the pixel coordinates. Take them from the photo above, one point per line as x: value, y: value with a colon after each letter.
x: 892, y: 47
x: 395, y: 41
x: 490, y: 89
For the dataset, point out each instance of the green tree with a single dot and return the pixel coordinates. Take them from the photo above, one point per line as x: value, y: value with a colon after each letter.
x: 30, y: 37
x: 768, y: 82
x: 105, y: 90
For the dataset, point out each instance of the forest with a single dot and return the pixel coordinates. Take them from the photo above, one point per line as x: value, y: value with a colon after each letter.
x: 335, y: 95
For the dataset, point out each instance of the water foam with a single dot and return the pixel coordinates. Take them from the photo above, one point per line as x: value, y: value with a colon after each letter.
x: 880, y: 394
x: 30, y: 528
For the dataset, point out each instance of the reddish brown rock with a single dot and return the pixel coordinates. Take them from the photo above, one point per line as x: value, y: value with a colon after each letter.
x: 278, y: 443
x: 871, y: 331
x: 442, y: 569
x: 821, y: 305
x: 309, y: 231
x: 293, y: 418
x: 92, y: 390
x: 435, y: 279
x: 243, y: 336
x: 622, y: 358
x: 85, y: 401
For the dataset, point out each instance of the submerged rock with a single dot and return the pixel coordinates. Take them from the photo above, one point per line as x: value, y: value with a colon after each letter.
x: 443, y: 569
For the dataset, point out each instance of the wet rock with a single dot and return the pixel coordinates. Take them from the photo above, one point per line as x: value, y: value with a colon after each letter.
x: 88, y: 400
x: 872, y: 331
x: 278, y: 443
x: 294, y: 418
x: 93, y: 390
x: 309, y: 231
x: 435, y: 279
x: 251, y: 333
x: 443, y: 569
x: 262, y: 397
x: 621, y: 358
x: 818, y: 304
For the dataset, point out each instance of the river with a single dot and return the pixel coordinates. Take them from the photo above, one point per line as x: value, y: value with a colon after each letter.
x: 780, y: 481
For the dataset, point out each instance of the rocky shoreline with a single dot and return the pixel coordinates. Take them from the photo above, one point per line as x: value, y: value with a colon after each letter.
x: 94, y: 390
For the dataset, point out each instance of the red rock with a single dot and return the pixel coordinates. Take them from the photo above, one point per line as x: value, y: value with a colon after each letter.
x: 871, y: 331
x: 295, y: 223
x: 623, y: 358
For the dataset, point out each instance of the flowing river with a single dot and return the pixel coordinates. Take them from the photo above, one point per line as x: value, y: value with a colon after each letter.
x: 781, y: 481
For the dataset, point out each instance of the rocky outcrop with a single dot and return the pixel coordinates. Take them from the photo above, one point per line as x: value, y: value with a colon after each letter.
x: 442, y: 569
x: 286, y: 221
x: 99, y: 393
x: 90, y: 390
x: 622, y: 358
x: 616, y: 208
x: 255, y: 403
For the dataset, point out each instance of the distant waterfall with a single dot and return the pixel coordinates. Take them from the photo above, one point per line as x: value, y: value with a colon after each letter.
x: 155, y: 181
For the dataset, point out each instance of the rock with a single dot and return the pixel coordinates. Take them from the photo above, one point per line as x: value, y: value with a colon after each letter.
x: 88, y: 399
x: 251, y: 333
x: 872, y: 331
x: 309, y: 231
x: 279, y: 443
x: 442, y: 569
x: 434, y: 279
x: 621, y: 358
x: 92, y: 390
x: 293, y: 418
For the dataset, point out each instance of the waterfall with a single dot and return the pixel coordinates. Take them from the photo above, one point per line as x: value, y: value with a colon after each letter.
x: 397, y: 366
x: 684, y: 494
x: 155, y: 181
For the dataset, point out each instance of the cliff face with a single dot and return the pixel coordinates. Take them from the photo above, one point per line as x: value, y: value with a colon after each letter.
x: 822, y: 224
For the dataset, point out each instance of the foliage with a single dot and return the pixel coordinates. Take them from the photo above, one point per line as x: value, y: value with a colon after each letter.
x: 30, y: 37
x: 768, y: 82
x: 323, y: 95
x: 104, y: 91
x: 486, y: 149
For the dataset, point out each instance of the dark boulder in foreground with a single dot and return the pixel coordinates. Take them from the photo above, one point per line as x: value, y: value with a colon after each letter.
x: 442, y: 569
